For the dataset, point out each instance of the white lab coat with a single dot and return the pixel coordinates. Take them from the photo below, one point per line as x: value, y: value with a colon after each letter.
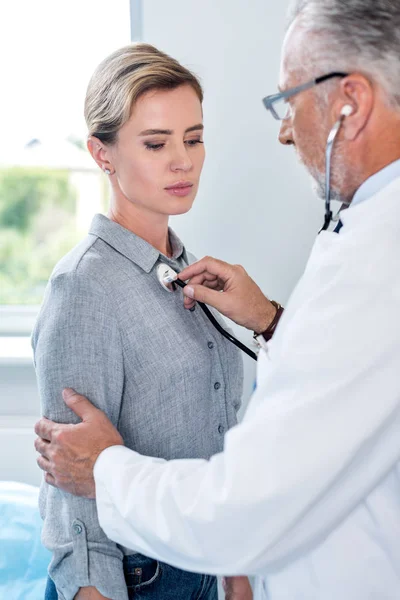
x: 306, y: 495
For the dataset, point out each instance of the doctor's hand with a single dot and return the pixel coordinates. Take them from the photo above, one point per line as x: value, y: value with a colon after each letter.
x: 241, y: 300
x: 68, y: 452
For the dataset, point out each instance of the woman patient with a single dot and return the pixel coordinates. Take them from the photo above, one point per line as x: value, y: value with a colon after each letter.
x: 164, y: 376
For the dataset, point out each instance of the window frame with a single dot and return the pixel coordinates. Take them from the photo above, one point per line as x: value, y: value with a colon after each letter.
x: 18, y: 320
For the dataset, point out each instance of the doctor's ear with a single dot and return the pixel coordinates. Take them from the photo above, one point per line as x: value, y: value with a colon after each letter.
x: 356, y: 103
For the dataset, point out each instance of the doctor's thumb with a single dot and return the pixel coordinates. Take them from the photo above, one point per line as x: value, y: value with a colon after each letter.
x: 79, y: 404
x: 200, y: 293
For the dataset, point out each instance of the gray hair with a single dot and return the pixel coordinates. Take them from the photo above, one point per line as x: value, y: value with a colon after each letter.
x: 354, y: 35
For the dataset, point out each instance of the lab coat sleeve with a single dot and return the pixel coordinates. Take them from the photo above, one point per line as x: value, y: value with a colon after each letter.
x: 319, y: 435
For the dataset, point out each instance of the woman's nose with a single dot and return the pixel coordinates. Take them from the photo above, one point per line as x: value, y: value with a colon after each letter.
x: 181, y: 160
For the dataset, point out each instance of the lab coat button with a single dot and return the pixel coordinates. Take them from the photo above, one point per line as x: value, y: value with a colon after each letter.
x: 192, y: 309
x: 221, y: 429
x: 217, y: 385
x: 210, y: 345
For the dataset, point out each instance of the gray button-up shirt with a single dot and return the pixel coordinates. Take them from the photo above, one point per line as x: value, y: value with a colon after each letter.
x: 164, y: 376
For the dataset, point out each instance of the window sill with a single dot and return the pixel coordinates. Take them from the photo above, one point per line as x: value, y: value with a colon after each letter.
x: 17, y: 320
x: 15, y: 351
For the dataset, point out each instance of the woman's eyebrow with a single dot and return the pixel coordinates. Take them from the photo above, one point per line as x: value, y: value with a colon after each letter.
x: 198, y: 127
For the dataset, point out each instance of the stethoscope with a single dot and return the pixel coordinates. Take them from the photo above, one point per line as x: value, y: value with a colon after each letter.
x: 345, y: 112
x: 169, y: 279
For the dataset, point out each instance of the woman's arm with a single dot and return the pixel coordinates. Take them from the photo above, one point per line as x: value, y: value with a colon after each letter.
x: 89, y: 593
x: 77, y: 344
x: 237, y: 588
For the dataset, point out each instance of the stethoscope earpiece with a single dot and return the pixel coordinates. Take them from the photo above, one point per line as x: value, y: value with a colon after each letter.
x: 347, y: 110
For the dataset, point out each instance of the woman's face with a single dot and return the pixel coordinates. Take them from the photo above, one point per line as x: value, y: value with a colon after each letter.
x: 159, y: 152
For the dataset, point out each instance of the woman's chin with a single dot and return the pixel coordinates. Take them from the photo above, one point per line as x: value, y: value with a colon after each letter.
x: 181, y: 207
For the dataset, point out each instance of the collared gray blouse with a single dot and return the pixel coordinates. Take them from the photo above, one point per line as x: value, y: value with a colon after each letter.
x: 164, y: 376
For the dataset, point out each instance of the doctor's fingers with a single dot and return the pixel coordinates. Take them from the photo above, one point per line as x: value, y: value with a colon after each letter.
x: 222, y: 302
x: 206, y: 278
x: 213, y: 284
x: 210, y: 266
x: 45, y: 465
x: 42, y: 446
x: 45, y: 428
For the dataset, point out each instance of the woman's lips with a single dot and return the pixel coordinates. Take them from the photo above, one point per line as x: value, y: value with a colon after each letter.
x: 182, y: 188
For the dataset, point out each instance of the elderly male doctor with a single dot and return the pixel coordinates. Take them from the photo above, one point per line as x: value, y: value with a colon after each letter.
x: 306, y: 495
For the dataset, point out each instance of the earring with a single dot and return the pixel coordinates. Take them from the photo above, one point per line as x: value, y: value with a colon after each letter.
x: 107, y: 171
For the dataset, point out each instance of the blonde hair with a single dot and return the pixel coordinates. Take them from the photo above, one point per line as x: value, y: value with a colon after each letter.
x: 122, y: 78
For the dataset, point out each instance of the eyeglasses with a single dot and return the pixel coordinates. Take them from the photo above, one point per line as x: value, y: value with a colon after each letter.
x: 277, y: 103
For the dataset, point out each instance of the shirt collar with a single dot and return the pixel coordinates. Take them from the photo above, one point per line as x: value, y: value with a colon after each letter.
x: 377, y: 182
x: 132, y: 246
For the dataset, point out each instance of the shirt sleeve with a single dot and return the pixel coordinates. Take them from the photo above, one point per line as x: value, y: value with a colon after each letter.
x: 320, y: 433
x: 77, y: 344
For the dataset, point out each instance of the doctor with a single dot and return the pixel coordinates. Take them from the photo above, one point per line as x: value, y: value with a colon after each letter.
x: 306, y: 494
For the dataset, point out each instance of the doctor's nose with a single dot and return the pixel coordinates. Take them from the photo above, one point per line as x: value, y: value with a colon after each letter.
x: 286, y: 133
x: 181, y: 160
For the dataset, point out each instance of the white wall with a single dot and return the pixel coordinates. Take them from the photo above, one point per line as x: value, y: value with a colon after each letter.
x: 255, y: 206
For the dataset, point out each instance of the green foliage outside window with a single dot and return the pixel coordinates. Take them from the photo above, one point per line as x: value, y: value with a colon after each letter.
x: 37, y: 227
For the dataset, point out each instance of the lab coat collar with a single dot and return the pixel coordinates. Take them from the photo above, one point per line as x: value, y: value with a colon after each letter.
x: 132, y: 246
x: 378, y: 209
x: 377, y: 182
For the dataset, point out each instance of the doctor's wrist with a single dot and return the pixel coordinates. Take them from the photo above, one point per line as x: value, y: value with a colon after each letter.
x: 269, y: 325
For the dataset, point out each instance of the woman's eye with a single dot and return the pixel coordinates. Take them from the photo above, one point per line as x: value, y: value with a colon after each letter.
x: 194, y: 142
x: 150, y: 146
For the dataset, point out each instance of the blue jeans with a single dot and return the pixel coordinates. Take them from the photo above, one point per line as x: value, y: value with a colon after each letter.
x: 148, y: 579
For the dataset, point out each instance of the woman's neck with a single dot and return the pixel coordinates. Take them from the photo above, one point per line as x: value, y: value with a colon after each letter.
x: 150, y: 226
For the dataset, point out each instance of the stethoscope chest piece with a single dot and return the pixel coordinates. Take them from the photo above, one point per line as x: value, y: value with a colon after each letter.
x: 166, y: 276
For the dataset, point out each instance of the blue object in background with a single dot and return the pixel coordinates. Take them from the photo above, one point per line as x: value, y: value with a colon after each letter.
x: 23, y: 559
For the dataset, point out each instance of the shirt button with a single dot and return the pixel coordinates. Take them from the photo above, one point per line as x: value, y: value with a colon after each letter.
x: 217, y: 385
x: 221, y: 429
x: 210, y: 345
x: 77, y: 528
x: 192, y: 309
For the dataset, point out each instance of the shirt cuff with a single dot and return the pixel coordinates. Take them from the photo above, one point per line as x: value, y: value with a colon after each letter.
x: 90, y: 563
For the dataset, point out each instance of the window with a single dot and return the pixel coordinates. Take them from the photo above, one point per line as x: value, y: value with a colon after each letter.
x: 49, y: 185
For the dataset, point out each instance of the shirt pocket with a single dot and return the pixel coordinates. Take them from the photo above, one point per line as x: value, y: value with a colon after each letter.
x: 141, y: 573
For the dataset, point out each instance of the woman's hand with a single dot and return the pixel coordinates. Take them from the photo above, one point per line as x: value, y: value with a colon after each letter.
x: 241, y: 300
x: 89, y: 593
x: 237, y: 588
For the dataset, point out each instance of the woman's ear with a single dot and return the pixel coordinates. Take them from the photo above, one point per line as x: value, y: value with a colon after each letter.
x: 100, y: 154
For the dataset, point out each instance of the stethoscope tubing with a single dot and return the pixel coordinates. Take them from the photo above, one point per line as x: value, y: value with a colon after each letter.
x: 328, y: 159
x: 217, y: 326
